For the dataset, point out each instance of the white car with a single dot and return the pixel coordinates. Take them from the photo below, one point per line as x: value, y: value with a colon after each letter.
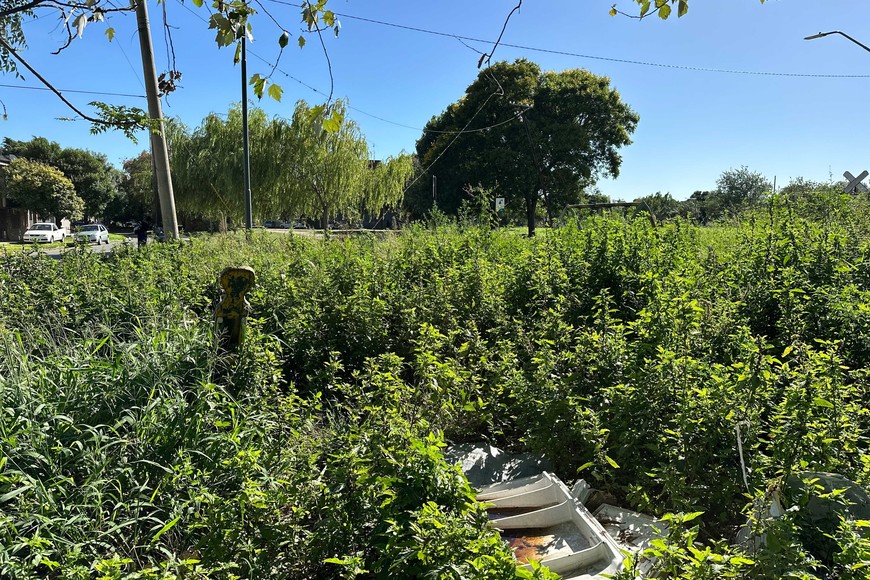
x: 44, y: 232
x: 92, y: 233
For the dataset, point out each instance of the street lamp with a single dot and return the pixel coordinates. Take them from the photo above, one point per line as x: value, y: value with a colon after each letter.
x: 822, y: 34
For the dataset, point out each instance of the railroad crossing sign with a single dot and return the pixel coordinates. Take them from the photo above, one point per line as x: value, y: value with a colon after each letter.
x: 499, y: 204
x: 855, y: 185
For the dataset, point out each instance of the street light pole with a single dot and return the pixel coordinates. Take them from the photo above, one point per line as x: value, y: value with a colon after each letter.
x: 823, y: 34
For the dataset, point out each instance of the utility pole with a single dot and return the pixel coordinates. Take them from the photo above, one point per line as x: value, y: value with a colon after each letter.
x: 246, y: 163
x: 160, y: 153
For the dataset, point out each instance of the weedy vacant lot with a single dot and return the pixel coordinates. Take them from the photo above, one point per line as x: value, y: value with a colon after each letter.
x: 626, y: 353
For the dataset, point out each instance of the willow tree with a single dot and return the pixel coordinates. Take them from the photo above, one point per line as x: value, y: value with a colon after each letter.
x: 386, y: 183
x: 332, y: 170
x: 207, y: 166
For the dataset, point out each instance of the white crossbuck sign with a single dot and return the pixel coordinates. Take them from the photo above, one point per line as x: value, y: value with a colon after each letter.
x: 854, y: 183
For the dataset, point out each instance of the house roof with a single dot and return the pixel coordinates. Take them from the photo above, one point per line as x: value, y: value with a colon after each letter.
x: 5, y: 159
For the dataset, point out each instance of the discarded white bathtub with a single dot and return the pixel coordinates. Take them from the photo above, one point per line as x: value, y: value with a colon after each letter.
x: 541, y: 520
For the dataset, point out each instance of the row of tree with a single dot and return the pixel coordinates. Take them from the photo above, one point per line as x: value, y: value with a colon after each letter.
x: 297, y: 167
x: 523, y: 134
x: 736, y: 191
x: 538, y: 139
x: 74, y: 183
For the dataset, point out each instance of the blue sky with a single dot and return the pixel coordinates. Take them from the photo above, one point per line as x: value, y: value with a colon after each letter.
x: 694, y: 124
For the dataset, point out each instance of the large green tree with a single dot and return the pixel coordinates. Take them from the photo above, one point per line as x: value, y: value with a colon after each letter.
x: 43, y: 189
x: 333, y: 170
x: 527, y: 135
x: 297, y: 167
x: 95, y: 179
x: 207, y: 165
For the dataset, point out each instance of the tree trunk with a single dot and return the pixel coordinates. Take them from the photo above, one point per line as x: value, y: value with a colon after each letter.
x: 222, y: 226
x: 531, y: 206
x: 324, y: 220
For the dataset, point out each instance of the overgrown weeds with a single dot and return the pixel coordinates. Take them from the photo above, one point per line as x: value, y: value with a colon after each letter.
x: 630, y: 354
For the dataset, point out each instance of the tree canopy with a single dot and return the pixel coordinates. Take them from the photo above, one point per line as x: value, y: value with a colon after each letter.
x: 297, y: 167
x: 527, y: 135
x: 94, y: 178
x: 43, y: 189
x: 136, y: 196
x: 334, y: 172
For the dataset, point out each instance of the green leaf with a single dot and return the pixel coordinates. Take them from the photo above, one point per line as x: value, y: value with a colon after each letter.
x: 644, y: 7
x: 15, y: 492
x: 333, y: 123
x: 168, y: 526
x: 664, y: 12
x: 275, y: 92
x: 259, y: 84
x: 110, y: 33
x: 586, y: 465
x: 613, y: 464
x: 197, y: 3
x: 284, y: 39
x: 823, y: 403
x: 692, y: 516
x: 301, y: 41
x: 682, y: 8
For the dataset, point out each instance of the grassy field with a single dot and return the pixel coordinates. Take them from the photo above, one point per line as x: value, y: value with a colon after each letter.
x: 626, y: 353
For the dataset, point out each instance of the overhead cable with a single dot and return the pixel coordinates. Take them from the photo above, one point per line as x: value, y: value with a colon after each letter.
x: 590, y: 56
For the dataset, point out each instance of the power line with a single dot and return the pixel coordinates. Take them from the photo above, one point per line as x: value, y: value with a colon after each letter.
x: 358, y: 110
x: 130, y: 64
x: 373, y: 116
x: 100, y: 93
x: 589, y: 56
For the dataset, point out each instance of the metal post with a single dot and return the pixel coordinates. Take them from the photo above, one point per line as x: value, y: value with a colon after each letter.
x: 249, y: 220
x: 158, y: 138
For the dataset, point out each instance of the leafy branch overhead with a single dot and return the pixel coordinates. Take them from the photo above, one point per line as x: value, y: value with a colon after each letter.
x: 661, y: 7
x: 230, y: 21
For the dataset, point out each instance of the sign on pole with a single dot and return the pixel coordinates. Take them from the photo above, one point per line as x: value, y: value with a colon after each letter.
x: 499, y: 204
x: 854, y: 183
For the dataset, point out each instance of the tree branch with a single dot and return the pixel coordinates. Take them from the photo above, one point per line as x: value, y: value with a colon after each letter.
x: 326, y: 54
x: 22, y: 8
x: 100, y: 122
x: 488, y: 56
